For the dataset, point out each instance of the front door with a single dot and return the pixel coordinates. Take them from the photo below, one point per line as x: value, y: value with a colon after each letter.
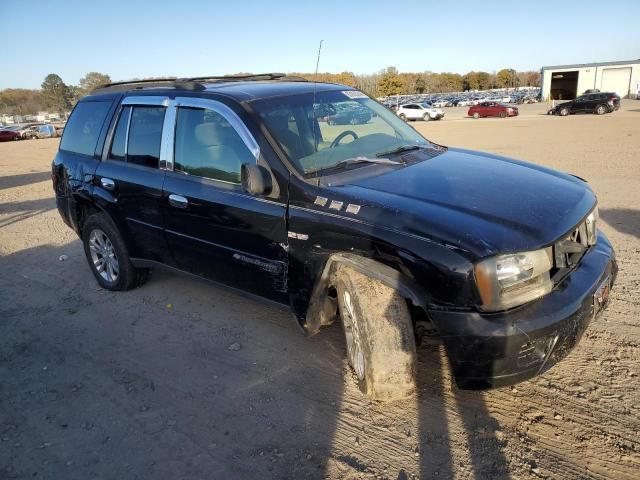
x: 213, y: 227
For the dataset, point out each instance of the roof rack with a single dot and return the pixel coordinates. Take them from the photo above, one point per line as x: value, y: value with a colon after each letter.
x: 248, y: 77
x: 194, y: 83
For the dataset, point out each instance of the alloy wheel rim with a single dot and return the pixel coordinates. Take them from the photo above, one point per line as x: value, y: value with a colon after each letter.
x: 103, y: 256
x: 352, y: 335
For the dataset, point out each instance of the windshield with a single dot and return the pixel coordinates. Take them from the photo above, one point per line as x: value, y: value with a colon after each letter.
x: 338, y: 126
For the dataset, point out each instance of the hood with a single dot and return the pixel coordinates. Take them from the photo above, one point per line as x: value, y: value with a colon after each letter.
x: 482, y: 203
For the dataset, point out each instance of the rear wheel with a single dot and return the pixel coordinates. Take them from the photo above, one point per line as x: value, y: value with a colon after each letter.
x: 476, y: 115
x: 564, y: 111
x: 601, y: 109
x: 379, y: 335
x: 403, y: 117
x: 108, y: 257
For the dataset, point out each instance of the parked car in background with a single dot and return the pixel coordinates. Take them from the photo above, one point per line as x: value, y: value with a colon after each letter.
x: 348, y: 115
x: 9, y: 133
x: 492, y: 109
x: 417, y: 111
x: 42, y: 131
x: 599, y: 103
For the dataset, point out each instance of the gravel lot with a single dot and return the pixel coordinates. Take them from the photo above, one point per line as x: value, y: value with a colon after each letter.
x: 180, y: 379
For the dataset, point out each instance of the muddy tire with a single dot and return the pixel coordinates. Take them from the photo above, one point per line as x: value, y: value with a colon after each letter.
x: 108, y: 257
x: 379, y: 335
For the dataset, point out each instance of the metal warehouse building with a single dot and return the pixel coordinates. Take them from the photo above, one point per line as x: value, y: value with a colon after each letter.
x: 564, y: 82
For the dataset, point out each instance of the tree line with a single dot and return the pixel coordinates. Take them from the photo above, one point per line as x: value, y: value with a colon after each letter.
x: 53, y: 96
x: 56, y: 96
x: 392, y: 82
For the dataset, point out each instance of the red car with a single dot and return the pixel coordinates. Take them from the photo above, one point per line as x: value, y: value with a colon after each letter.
x: 9, y: 133
x: 492, y: 109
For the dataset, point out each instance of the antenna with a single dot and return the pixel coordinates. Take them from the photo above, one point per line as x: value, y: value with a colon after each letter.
x: 313, y: 105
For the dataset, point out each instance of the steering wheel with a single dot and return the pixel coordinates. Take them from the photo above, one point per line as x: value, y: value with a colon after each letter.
x: 337, y: 140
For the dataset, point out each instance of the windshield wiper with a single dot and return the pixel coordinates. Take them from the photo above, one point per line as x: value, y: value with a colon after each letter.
x: 401, y: 149
x: 356, y: 160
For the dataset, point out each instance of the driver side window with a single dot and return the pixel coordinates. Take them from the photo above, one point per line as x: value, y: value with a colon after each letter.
x: 207, y: 145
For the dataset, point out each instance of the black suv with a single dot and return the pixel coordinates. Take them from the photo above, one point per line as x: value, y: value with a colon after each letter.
x: 235, y: 179
x: 589, y: 102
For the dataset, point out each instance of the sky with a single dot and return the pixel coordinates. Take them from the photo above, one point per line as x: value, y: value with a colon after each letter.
x: 137, y: 39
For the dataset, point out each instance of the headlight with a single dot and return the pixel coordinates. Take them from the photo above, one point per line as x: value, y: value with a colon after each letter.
x: 507, y: 281
x: 592, y: 226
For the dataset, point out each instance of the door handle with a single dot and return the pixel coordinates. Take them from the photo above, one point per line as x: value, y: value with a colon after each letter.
x: 107, y: 183
x: 178, y: 201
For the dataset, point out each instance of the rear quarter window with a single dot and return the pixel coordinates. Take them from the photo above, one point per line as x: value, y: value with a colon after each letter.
x: 84, y: 126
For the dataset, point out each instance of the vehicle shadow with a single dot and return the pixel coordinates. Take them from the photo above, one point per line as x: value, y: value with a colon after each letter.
x: 180, y: 379
x: 625, y: 220
x: 20, y: 180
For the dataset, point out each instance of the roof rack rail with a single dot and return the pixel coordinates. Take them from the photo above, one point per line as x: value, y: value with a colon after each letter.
x: 194, y: 83
x: 248, y: 77
x: 168, y: 82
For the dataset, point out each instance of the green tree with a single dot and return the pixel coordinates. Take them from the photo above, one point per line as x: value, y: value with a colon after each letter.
x: 91, y: 81
x: 470, y: 81
x: 485, y: 80
x: 55, y: 93
x: 390, y: 83
x: 506, y: 78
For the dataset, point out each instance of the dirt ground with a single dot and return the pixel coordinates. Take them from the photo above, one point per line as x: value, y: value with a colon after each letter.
x: 180, y: 379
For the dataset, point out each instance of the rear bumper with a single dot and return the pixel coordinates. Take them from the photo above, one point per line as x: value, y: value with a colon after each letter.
x: 495, y: 350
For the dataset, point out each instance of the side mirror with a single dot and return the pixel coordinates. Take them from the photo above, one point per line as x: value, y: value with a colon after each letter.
x: 255, y: 179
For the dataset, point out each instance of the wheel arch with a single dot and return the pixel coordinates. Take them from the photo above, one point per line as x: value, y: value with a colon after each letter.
x: 322, y: 307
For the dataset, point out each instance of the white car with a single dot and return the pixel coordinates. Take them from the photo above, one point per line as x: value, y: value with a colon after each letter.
x: 417, y: 111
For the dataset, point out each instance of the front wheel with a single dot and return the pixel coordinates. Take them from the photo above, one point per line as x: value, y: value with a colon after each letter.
x: 426, y: 117
x: 476, y: 115
x: 378, y: 330
x: 108, y: 257
x: 403, y: 117
x: 503, y: 114
x: 564, y: 112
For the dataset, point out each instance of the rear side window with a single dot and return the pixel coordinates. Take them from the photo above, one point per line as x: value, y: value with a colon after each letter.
x: 83, y: 127
x: 145, y: 136
x: 138, y: 135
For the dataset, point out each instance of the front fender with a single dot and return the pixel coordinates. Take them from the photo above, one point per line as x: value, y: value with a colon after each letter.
x: 322, y: 308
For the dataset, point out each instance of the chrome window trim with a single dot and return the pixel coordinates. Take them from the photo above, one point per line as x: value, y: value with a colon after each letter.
x: 157, y: 101
x: 168, y: 137
x: 228, y: 114
x: 126, y: 135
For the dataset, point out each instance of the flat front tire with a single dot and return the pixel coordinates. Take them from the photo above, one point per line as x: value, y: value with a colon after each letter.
x: 381, y: 346
x: 108, y: 257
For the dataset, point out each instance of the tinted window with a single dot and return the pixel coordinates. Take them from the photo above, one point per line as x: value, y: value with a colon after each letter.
x: 117, y: 151
x: 208, y: 146
x: 145, y: 135
x: 83, y: 128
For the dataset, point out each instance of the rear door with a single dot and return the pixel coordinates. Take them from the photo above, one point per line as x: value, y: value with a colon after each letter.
x: 128, y: 181
x: 213, y: 227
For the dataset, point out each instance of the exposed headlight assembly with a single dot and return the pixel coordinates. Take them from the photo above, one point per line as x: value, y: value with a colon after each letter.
x: 506, y: 281
x: 592, y: 226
